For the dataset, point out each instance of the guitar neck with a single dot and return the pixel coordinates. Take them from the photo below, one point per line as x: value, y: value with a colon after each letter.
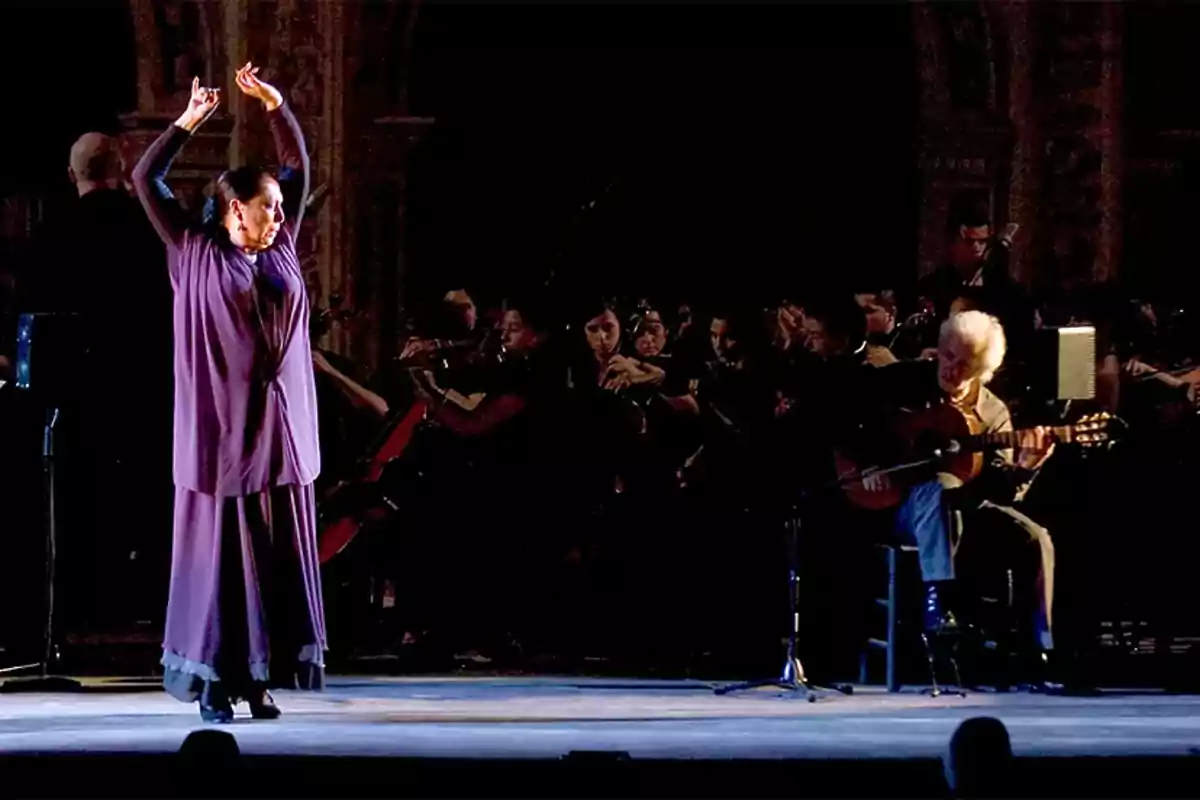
x: 1007, y: 439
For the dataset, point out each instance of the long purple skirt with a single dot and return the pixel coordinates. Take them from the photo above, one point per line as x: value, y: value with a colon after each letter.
x: 245, y: 609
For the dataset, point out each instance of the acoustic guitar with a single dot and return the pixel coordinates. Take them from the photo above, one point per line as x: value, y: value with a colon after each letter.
x: 942, y: 438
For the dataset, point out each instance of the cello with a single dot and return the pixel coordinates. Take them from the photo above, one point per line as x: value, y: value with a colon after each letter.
x: 359, y: 501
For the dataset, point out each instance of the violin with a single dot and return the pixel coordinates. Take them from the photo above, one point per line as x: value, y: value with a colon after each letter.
x: 449, y: 354
x: 430, y: 353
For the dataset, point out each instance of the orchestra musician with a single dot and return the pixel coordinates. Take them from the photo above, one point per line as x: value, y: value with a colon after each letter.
x: 505, y: 428
x: 977, y: 258
x: 951, y: 523
x: 507, y: 386
x: 454, y: 325
x: 905, y: 337
x: 838, y: 332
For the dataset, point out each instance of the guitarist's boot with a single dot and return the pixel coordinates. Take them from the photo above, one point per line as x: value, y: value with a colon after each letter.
x: 937, y: 617
x: 1049, y: 672
x: 940, y: 636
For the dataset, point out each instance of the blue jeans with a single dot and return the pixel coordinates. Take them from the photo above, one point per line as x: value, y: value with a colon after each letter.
x: 922, y: 520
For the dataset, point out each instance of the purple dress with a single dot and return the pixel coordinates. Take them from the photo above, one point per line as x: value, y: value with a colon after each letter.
x: 245, y: 602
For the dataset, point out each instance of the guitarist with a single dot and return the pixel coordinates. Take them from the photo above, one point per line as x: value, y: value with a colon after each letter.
x: 936, y: 511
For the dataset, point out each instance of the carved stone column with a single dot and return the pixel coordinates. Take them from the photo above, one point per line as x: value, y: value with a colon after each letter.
x: 932, y: 105
x: 1024, y: 180
x: 964, y: 138
x: 378, y: 136
x: 1111, y: 101
x: 382, y: 202
x: 233, y: 17
x: 176, y: 40
x: 1080, y: 105
x: 334, y: 233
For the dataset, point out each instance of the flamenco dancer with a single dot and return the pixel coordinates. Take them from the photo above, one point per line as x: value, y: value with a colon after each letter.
x: 245, y: 610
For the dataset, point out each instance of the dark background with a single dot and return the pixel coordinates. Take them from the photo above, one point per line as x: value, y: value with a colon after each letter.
x: 1162, y: 113
x: 765, y: 144
x: 774, y: 142
x: 67, y: 70
x: 771, y: 144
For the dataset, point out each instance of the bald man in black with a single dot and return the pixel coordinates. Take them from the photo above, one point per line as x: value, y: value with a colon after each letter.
x: 99, y: 258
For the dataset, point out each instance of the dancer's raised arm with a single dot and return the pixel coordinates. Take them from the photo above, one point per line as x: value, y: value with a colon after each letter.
x: 289, y: 144
x: 149, y: 176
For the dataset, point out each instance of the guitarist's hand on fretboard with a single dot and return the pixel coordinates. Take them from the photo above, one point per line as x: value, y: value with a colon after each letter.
x: 1034, y: 446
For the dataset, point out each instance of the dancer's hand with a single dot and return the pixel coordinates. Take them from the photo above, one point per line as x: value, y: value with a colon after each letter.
x: 201, y: 105
x: 251, y: 86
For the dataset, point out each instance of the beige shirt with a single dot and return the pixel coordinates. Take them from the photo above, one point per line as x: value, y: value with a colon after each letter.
x: 1005, y: 473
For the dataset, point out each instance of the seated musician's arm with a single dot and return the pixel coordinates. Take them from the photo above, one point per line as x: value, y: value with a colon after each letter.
x: 1003, y: 481
x: 1108, y: 383
x: 679, y: 396
x: 482, y: 418
x: 358, y: 395
x: 683, y: 403
x: 1139, y: 370
x: 362, y: 397
x: 467, y: 402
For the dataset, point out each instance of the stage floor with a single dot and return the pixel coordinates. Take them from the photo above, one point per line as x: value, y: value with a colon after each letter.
x: 550, y: 717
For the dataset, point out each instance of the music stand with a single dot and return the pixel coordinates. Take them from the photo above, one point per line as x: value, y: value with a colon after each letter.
x: 57, y: 358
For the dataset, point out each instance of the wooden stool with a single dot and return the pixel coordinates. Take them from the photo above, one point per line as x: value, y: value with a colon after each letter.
x: 892, y: 604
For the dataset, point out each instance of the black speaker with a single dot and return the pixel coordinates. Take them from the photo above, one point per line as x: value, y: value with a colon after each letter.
x: 51, y: 356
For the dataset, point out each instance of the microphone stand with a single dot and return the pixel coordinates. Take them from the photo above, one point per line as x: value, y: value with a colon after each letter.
x: 792, y: 678
x: 51, y: 657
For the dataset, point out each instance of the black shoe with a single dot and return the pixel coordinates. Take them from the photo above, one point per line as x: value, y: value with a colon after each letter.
x: 937, y: 619
x: 264, y: 707
x: 216, y: 711
x: 1048, y: 675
